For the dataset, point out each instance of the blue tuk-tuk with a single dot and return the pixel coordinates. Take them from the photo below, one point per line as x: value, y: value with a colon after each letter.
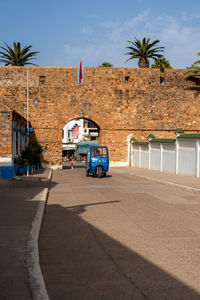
x: 97, y: 162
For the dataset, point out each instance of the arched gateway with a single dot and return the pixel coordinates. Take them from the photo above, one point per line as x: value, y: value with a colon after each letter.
x: 77, y: 137
x: 123, y: 102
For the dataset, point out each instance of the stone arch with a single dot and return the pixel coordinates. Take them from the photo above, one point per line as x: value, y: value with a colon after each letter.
x: 77, y: 135
x: 64, y: 122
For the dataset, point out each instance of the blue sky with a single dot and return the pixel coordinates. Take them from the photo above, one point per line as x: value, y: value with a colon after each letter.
x: 65, y: 31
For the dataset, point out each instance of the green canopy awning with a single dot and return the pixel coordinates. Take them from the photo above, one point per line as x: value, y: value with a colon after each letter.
x: 83, y: 150
x: 84, y: 146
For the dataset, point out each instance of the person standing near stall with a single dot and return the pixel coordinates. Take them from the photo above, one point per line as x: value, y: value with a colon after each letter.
x: 72, y: 163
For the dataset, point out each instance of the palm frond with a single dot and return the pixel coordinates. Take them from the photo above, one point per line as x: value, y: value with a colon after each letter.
x: 194, y: 70
x: 16, y: 55
x: 144, y: 50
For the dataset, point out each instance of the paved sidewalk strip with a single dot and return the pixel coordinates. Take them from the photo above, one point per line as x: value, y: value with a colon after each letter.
x: 180, y: 181
x: 21, y: 211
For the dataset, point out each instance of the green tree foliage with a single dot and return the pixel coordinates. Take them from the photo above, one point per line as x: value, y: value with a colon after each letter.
x: 106, y: 64
x: 144, y: 50
x: 151, y: 136
x: 32, y: 153
x: 194, y: 70
x: 17, y: 56
x: 161, y: 63
x: 179, y: 131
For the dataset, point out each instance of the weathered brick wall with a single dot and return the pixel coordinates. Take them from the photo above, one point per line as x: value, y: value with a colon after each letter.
x: 6, y: 116
x: 123, y: 102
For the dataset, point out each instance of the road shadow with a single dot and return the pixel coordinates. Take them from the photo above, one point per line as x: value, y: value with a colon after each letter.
x: 39, y: 171
x: 79, y: 165
x: 79, y: 261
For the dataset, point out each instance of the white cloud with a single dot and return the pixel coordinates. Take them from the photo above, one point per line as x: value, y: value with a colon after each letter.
x: 87, y: 30
x: 140, y: 18
x: 179, y: 36
x: 190, y: 17
x: 91, y: 16
x: 111, y: 24
x: 181, y: 42
x: 90, y: 55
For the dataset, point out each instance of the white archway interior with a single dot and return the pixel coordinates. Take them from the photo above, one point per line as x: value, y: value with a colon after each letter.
x: 78, y: 134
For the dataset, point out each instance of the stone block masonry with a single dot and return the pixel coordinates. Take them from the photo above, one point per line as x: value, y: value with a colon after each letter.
x: 6, y: 118
x: 123, y: 102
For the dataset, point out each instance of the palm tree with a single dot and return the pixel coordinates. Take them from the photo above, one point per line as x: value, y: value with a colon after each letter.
x: 144, y: 50
x: 161, y: 63
x: 194, y: 70
x: 16, y: 56
x: 106, y: 64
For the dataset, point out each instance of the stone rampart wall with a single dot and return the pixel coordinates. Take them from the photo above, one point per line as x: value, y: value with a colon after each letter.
x: 122, y: 102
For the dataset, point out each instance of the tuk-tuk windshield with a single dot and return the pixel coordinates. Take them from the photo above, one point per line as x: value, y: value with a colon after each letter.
x: 99, y: 152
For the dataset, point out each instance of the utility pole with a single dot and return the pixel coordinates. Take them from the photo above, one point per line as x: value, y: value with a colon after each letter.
x: 27, y: 111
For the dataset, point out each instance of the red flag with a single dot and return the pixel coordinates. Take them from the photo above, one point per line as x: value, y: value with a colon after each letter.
x: 80, y: 72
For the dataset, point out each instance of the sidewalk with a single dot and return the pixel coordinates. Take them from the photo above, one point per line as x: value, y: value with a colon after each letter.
x: 185, y: 182
x: 38, y: 175
x: 21, y: 208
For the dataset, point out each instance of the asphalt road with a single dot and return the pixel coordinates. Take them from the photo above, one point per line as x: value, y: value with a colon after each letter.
x: 119, y: 237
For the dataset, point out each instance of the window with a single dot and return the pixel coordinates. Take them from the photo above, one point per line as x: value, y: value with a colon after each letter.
x: 42, y: 80
x: 126, y: 79
x: 99, y: 152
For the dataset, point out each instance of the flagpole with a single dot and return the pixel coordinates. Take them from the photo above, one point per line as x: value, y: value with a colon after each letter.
x: 27, y: 113
x: 27, y: 101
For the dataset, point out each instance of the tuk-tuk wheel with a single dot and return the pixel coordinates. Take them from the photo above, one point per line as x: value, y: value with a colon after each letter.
x: 99, y: 171
x: 87, y: 173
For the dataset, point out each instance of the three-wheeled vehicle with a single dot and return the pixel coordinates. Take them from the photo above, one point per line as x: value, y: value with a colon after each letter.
x: 97, y: 162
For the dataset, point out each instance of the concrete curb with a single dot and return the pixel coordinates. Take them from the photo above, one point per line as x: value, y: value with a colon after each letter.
x: 48, y: 178
x: 167, y: 182
x: 50, y: 175
x: 36, y: 279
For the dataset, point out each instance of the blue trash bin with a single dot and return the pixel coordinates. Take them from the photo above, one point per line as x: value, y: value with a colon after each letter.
x: 22, y: 170
x: 7, y: 172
